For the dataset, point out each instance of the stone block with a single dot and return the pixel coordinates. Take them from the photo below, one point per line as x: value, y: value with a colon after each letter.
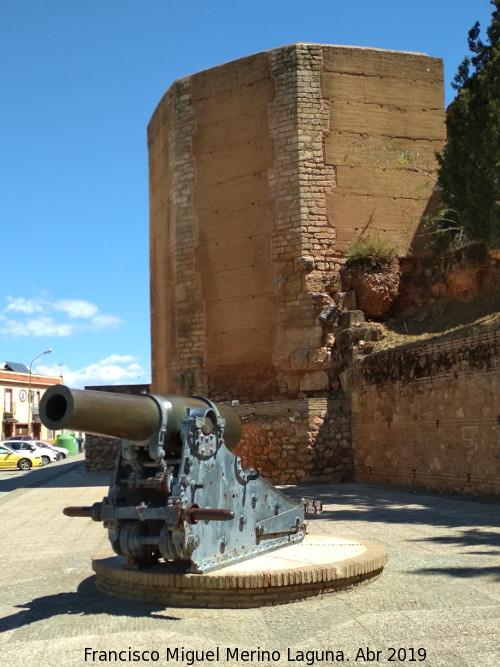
x: 320, y: 358
x: 305, y: 263
x: 346, y: 300
x: 314, y: 381
x: 351, y: 318
x: 329, y: 314
x: 299, y: 359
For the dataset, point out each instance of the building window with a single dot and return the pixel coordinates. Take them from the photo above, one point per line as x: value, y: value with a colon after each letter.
x: 8, y: 400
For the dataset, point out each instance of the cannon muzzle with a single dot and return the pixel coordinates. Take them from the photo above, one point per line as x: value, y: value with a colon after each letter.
x: 126, y: 416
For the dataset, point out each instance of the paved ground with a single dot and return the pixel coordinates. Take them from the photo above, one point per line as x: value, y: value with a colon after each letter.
x: 439, y: 593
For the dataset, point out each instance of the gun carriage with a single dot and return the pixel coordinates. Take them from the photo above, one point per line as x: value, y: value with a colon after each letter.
x: 178, y: 493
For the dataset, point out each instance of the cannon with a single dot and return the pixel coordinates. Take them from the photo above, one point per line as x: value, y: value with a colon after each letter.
x: 178, y: 493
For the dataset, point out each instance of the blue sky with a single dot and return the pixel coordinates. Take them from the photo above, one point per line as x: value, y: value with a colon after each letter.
x: 79, y: 81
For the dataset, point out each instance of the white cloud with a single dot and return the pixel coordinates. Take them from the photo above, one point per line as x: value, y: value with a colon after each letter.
x: 44, y: 317
x: 100, y: 322
x: 36, y: 327
x: 21, y: 305
x: 117, y: 359
x: 113, y: 370
x: 76, y: 308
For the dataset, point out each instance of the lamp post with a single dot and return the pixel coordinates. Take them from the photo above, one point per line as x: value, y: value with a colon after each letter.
x: 30, y: 397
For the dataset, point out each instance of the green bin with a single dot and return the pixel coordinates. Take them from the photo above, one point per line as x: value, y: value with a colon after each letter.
x: 67, y: 441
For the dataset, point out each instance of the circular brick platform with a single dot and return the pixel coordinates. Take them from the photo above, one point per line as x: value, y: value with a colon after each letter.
x: 320, y: 564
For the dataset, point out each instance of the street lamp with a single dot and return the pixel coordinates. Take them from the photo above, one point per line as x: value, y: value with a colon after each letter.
x: 30, y: 397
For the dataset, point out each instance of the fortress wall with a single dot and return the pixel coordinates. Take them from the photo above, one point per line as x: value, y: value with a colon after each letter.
x: 177, y: 313
x: 293, y: 441
x: 233, y: 153
x: 427, y: 416
x: 382, y: 103
x: 211, y: 273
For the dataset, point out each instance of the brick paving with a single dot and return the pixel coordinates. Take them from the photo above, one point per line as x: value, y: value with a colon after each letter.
x: 440, y: 590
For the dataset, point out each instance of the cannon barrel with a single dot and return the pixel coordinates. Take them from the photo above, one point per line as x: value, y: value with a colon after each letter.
x: 131, y: 417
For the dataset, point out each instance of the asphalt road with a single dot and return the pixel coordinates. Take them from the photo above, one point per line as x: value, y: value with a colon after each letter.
x: 12, y: 479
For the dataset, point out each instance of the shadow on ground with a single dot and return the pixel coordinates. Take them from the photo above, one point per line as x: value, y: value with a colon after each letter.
x: 67, y: 474
x: 369, y: 502
x: 86, y: 601
x: 491, y: 572
x: 469, y: 528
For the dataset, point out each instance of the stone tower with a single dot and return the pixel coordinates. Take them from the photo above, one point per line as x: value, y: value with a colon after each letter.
x: 263, y: 173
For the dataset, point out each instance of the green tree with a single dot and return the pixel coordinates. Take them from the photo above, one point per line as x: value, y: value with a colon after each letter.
x: 469, y: 167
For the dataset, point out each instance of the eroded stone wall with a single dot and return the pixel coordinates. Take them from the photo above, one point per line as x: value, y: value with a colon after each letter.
x: 461, y: 275
x: 297, y: 440
x: 428, y: 416
x: 100, y: 452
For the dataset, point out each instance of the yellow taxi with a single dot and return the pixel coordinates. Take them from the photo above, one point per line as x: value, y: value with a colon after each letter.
x: 22, y: 460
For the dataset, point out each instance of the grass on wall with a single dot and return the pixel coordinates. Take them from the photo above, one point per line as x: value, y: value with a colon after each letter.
x: 373, y: 249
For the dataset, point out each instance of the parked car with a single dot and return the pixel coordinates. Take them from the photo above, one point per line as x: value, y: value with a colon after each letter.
x: 61, y: 451
x: 22, y: 460
x: 20, y: 437
x: 47, y: 455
